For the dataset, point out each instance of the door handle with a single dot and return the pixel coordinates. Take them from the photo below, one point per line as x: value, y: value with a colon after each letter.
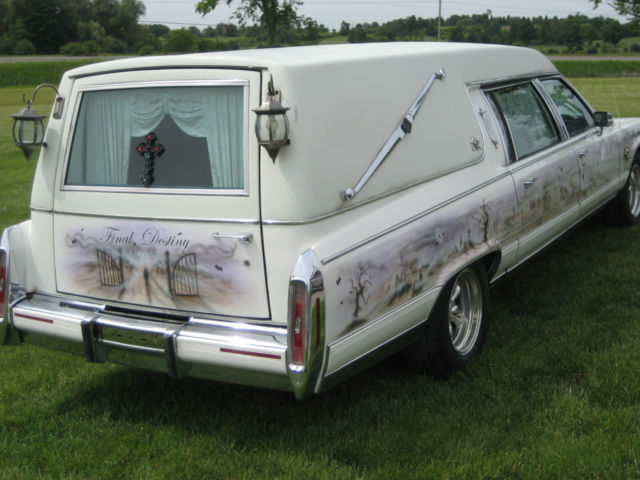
x: 529, y: 183
x: 244, y: 238
x: 582, y: 154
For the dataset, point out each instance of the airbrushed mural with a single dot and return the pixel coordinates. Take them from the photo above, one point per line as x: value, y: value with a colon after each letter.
x: 178, y: 267
x: 408, y: 264
x: 414, y: 259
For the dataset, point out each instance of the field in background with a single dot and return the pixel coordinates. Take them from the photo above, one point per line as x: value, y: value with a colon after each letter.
x: 555, y: 394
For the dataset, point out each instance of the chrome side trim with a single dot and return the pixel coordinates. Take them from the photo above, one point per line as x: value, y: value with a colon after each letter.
x: 157, y: 191
x: 347, y: 208
x: 482, y: 112
x: 511, y: 78
x: 246, y: 221
x: 166, y: 83
x: 41, y: 210
x: 412, y: 219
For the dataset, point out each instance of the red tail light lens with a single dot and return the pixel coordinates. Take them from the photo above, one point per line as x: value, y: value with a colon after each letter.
x: 299, y: 322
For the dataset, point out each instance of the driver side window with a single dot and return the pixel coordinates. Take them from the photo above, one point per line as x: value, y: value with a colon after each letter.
x: 576, y: 116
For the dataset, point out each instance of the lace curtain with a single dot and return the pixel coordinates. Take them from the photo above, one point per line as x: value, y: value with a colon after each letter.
x: 109, y: 119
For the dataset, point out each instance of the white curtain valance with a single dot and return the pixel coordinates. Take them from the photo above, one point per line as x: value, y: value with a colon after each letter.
x: 109, y: 119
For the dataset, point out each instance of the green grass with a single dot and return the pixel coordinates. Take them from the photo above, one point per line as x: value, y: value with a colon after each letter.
x: 620, y: 96
x: 35, y: 73
x: 16, y: 176
x: 555, y: 394
x: 598, y: 68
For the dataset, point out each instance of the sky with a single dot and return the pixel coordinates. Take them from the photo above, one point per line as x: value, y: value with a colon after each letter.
x: 180, y: 13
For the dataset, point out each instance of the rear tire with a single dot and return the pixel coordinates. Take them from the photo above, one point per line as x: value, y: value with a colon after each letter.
x: 456, y: 328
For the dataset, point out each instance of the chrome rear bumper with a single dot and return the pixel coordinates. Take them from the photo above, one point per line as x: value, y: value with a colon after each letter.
x: 228, y: 351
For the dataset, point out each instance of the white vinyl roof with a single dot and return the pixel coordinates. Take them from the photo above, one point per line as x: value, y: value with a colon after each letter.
x: 473, y: 55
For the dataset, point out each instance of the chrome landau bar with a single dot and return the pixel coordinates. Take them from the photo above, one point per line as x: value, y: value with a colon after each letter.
x: 398, y: 134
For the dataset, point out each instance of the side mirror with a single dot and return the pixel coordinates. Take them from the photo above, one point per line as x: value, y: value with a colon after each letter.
x: 602, y: 119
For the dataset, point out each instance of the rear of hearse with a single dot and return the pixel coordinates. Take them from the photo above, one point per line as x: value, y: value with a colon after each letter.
x: 176, y: 224
x: 145, y: 243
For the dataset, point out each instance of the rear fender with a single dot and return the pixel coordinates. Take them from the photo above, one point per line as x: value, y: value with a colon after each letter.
x: 13, y: 269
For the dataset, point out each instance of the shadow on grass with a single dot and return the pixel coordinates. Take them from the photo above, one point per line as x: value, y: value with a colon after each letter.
x: 551, y: 321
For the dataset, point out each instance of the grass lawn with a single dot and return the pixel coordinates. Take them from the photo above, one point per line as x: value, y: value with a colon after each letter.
x: 555, y: 394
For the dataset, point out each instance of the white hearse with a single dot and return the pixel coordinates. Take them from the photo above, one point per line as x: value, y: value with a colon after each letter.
x: 285, y: 217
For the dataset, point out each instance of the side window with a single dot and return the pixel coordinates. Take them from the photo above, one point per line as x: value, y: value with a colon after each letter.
x: 575, y: 114
x: 529, y: 122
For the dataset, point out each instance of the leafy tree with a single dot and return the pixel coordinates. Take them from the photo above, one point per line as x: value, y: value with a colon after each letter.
x: 46, y: 22
x: 24, y: 47
x: 160, y: 30
x: 628, y: 8
x: 182, y: 41
x: 456, y: 34
x: 358, y: 34
x: 612, y: 31
x: 225, y: 30
x: 272, y: 14
x: 571, y: 32
x: 118, y: 17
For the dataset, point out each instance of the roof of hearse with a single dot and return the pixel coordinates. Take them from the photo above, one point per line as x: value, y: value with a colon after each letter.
x: 504, y: 59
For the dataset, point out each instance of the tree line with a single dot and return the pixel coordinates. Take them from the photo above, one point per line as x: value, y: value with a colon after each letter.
x: 90, y: 27
x: 575, y: 32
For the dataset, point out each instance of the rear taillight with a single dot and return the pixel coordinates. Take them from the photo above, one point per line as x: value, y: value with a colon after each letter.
x: 306, y: 326
x: 298, y: 322
x: 3, y: 283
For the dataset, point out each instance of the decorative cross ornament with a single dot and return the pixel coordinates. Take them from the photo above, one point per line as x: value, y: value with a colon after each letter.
x: 149, y: 150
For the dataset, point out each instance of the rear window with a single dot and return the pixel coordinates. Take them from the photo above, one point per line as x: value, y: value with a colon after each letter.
x: 189, y: 137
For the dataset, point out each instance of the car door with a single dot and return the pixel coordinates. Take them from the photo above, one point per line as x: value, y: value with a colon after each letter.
x: 544, y: 170
x: 596, y: 149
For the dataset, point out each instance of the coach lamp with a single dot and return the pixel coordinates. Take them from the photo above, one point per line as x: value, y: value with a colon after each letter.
x: 272, y: 124
x: 28, y: 128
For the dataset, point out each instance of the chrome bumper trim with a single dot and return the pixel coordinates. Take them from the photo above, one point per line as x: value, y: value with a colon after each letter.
x: 228, y: 351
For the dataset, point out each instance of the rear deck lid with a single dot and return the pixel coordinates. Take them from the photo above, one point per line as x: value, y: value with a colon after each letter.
x: 158, y: 205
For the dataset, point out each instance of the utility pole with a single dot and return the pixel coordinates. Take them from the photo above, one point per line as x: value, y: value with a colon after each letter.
x: 439, y: 17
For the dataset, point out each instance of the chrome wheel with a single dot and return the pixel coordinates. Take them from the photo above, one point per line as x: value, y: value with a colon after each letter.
x: 634, y: 190
x: 465, y: 311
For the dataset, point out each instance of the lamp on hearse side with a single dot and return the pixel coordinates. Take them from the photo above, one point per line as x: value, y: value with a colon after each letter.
x: 28, y: 126
x: 272, y: 124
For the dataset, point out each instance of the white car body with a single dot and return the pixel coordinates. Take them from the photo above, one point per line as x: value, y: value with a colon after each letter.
x: 203, y: 282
